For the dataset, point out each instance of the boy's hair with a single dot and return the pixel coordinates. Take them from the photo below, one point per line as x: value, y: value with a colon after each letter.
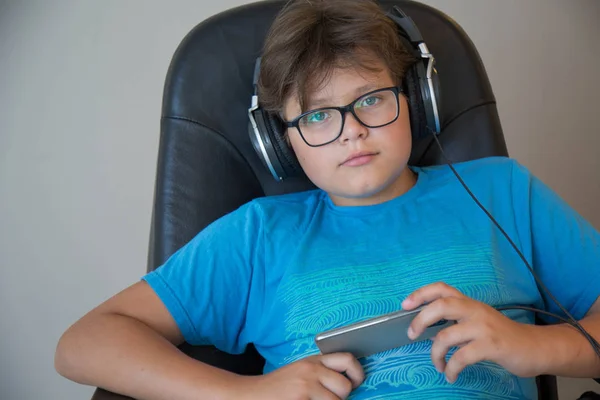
x: 311, y: 38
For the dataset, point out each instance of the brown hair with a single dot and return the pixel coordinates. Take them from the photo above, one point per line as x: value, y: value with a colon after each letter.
x: 311, y: 38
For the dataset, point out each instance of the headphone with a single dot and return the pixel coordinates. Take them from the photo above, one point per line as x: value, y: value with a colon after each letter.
x: 421, y: 87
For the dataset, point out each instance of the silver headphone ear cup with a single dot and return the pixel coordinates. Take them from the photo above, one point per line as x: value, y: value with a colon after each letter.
x: 263, y: 145
x: 425, y: 101
x: 428, y: 97
x: 423, y: 97
x: 418, y: 118
x: 436, y: 101
x: 285, y: 154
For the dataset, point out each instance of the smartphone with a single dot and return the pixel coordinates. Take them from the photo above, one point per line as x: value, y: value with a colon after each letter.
x: 375, y: 335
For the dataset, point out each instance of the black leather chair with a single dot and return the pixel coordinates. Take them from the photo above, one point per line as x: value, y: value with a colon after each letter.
x: 207, y: 166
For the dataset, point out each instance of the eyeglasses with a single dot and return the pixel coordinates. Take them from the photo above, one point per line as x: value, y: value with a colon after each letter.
x: 322, y: 126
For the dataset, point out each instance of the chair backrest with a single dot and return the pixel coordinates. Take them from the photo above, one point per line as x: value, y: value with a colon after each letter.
x: 207, y: 166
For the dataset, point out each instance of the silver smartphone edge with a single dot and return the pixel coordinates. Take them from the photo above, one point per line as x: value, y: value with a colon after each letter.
x: 366, y: 323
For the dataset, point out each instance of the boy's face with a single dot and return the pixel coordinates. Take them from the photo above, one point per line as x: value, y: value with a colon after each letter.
x: 379, y: 176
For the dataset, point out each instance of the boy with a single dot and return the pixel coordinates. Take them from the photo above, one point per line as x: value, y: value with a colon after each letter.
x: 377, y: 236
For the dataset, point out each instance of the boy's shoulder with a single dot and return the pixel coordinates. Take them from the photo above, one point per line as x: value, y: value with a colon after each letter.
x: 265, y: 212
x: 489, y: 174
x: 286, y: 212
x: 476, y: 165
x: 286, y: 205
x: 484, y: 168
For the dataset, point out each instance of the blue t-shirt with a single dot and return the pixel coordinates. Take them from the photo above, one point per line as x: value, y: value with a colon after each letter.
x: 281, y: 269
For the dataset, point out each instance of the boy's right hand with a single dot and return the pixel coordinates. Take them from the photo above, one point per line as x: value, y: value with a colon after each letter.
x: 312, y: 378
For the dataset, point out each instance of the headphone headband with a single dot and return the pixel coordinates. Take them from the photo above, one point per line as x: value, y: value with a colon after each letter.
x: 256, y: 75
x: 407, y: 25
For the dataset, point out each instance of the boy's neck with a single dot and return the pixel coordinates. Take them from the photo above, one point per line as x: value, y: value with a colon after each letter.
x: 403, y: 184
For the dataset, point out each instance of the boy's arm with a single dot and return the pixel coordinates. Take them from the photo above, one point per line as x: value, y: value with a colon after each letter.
x: 564, y: 351
x: 128, y: 345
x: 565, y: 252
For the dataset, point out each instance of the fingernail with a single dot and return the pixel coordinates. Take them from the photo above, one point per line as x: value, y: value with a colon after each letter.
x: 411, y: 333
x: 451, y: 381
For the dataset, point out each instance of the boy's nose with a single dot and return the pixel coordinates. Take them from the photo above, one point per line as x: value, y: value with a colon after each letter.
x: 353, y: 129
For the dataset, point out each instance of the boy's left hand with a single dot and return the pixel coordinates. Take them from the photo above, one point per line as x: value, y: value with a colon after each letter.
x: 481, y: 332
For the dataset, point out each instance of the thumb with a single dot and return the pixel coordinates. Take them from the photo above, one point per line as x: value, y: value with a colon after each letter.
x: 345, y: 363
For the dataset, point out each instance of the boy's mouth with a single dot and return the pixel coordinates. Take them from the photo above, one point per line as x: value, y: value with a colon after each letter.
x: 359, y: 158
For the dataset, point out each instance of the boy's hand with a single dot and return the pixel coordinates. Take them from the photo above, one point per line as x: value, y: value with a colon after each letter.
x: 312, y: 378
x: 481, y: 332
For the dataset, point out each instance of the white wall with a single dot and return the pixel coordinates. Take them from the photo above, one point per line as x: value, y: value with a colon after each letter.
x: 80, y: 94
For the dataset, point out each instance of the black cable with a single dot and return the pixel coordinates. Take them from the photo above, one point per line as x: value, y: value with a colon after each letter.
x: 548, y: 313
x: 535, y: 310
x: 572, y: 320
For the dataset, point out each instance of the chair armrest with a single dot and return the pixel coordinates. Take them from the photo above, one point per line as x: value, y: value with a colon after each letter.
x: 101, y: 394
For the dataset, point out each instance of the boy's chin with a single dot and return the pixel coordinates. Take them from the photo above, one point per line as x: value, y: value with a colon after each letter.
x: 376, y: 189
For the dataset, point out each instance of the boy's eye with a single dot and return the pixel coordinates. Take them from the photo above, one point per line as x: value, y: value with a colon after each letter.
x: 368, y: 102
x: 315, y: 118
